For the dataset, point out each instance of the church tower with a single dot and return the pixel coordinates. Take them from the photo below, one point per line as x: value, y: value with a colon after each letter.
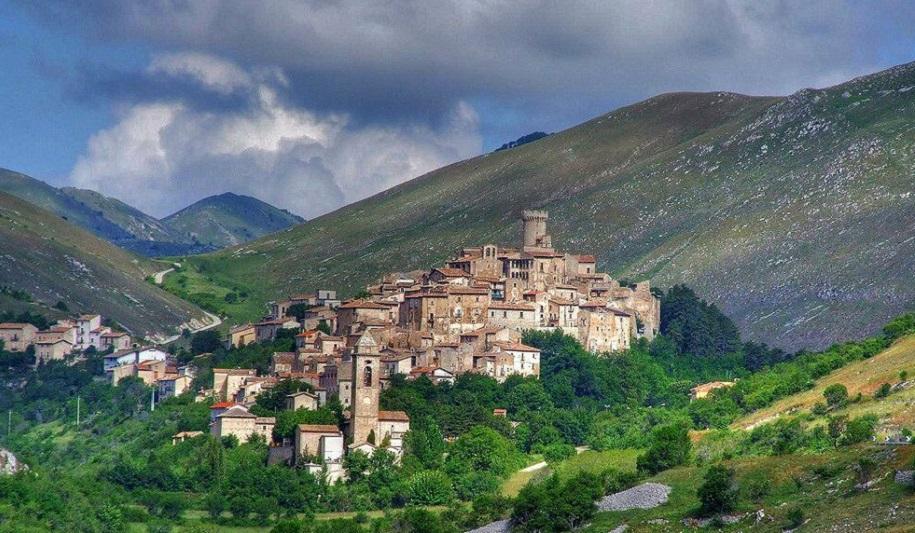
x: 366, y: 389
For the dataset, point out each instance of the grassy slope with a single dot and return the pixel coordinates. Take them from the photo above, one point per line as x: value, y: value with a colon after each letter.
x: 865, y: 377
x: 794, y: 214
x: 821, y: 485
x: 55, y: 260
x: 228, y: 219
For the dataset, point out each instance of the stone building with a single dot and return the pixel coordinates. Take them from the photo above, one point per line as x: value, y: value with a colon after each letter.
x: 16, y: 336
x: 242, y: 424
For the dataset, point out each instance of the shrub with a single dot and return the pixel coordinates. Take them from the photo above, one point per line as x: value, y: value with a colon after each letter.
x: 883, y: 391
x: 819, y: 409
x: 430, y: 487
x: 836, y: 395
x: 755, y: 486
x: 670, y: 447
x: 858, y: 430
x: 555, y: 453
x: 717, y: 492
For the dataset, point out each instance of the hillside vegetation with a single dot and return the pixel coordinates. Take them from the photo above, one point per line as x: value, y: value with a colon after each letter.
x: 209, y: 224
x: 896, y: 410
x: 48, y: 259
x: 794, y: 214
x: 229, y: 219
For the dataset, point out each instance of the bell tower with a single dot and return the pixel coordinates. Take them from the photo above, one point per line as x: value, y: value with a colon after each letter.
x: 366, y: 389
x: 535, y: 235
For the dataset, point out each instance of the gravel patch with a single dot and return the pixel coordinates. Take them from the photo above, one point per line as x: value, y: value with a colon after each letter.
x: 499, y: 526
x: 644, y: 496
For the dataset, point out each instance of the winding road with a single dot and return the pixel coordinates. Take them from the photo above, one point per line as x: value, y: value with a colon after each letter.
x: 215, y: 321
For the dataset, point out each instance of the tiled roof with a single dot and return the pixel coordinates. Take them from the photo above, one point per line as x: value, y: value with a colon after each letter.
x: 586, y: 259
x: 516, y: 347
x: 393, y: 416
x: 222, y: 405
x: 451, y: 272
x: 362, y: 304
x: 14, y: 325
x: 318, y: 428
x: 512, y: 306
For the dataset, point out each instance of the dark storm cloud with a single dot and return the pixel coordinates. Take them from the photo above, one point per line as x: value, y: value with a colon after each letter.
x: 413, y: 59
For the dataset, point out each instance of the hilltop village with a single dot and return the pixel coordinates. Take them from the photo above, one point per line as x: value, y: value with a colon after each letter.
x: 467, y: 315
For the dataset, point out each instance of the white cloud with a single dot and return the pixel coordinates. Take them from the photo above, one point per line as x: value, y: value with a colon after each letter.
x: 161, y: 156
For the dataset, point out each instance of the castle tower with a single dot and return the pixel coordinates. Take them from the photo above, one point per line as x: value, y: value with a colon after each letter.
x: 366, y: 389
x: 535, y: 235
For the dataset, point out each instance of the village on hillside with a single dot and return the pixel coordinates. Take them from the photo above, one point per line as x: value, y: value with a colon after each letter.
x: 466, y: 316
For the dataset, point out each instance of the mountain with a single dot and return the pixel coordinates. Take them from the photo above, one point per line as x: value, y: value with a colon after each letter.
x: 524, y: 139
x: 131, y: 229
x: 53, y: 260
x: 228, y: 219
x: 794, y: 214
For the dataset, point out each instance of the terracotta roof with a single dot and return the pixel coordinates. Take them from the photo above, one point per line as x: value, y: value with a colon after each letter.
x: 468, y: 290
x: 593, y: 303
x: 446, y: 345
x: 236, y: 411
x: 428, y: 295
x: 516, y: 347
x: 586, y: 259
x: 222, y: 405
x: 451, y: 272
x: 393, y: 416
x: 362, y: 304
x: 88, y: 317
x: 241, y: 327
x: 561, y: 301
x: 512, y: 306
x: 318, y: 428
x: 236, y: 371
x: 14, y: 325
x: 112, y: 334
x: 54, y: 341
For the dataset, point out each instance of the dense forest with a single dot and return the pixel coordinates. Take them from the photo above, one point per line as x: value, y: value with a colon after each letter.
x: 119, y: 467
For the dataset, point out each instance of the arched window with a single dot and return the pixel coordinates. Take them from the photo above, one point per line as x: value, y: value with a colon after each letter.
x: 367, y: 376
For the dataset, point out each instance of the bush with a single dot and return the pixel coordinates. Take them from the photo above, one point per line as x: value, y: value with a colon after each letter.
x: 858, y: 430
x: 755, y: 486
x: 717, y: 492
x: 670, y: 447
x: 555, y: 453
x: 836, y: 395
x: 556, y: 506
x: 430, y: 487
x: 819, y: 409
x: 883, y: 391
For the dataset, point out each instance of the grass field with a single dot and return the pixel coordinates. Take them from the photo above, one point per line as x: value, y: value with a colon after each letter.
x: 210, y: 292
x: 587, y: 461
x: 820, y: 486
x: 865, y: 377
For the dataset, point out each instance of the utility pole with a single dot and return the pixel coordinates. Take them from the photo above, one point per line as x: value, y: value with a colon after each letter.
x: 77, y: 410
x: 152, y: 400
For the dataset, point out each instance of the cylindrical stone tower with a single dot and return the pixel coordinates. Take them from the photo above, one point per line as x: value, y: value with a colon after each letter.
x: 534, y: 227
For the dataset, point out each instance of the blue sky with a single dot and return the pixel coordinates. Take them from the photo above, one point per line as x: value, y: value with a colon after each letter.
x: 312, y: 104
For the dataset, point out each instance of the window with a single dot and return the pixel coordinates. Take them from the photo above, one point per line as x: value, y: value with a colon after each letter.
x: 367, y: 376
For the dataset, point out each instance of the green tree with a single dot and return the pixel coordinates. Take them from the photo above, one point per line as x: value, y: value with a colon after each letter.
x: 206, y: 341
x: 670, y: 447
x: 717, y: 492
x: 430, y: 487
x: 836, y: 395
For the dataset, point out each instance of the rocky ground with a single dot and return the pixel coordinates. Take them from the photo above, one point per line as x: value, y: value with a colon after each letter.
x: 644, y: 496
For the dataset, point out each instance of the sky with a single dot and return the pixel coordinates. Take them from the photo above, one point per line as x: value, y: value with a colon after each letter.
x: 311, y: 105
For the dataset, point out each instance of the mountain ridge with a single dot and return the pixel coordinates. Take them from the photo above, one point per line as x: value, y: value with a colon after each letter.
x: 54, y: 260
x: 134, y: 230
x: 792, y: 213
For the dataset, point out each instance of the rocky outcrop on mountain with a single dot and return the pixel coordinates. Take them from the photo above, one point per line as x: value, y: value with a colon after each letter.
x: 9, y: 464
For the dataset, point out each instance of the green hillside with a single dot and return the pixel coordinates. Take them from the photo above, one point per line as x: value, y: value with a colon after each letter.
x: 795, y: 215
x: 52, y: 260
x: 228, y: 219
x: 208, y: 225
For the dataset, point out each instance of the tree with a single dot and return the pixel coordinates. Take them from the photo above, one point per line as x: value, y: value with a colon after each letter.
x: 424, y: 441
x: 61, y: 306
x: 298, y: 310
x: 717, y: 492
x: 484, y: 450
x: 836, y: 395
x: 206, y: 341
x: 883, y: 391
x: 556, y: 506
x: 670, y: 447
x: 430, y: 487
x: 529, y: 396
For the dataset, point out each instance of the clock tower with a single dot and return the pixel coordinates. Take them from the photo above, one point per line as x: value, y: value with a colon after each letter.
x: 366, y: 390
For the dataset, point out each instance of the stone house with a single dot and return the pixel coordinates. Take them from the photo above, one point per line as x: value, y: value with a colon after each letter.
x: 85, y: 326
x: 17, y: 336
x: 133, y: 356
x: 353, y: 316
x: 518, y: 316
x: 302, y: 400
x: 243, y: 424
x: 321, y: 447
x: 602, y: 329
x: 114, y: 340
x: 283, y: 362
x: 228, y: 381
x: 52, y: 349
x: 436, y: 374
x: 242, y: 335
x: 266, y: 330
